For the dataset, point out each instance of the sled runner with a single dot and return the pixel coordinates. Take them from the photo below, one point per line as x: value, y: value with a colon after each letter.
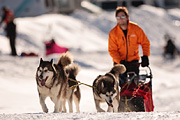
x: 136, y: 92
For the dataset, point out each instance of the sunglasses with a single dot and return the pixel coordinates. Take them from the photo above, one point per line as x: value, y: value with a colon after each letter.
x: 121, y: 17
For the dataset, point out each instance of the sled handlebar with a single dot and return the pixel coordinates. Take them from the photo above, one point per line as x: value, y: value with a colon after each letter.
x: 150, y: 72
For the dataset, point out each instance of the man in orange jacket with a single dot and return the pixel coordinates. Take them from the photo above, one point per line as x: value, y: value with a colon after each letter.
x: 124, y: 41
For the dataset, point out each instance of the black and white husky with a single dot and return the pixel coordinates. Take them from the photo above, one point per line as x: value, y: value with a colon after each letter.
x: 54, y: 81
x: 106, y: 89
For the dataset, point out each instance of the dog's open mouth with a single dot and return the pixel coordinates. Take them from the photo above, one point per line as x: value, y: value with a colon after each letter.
x: 110, y: 104
x: 43, y: 81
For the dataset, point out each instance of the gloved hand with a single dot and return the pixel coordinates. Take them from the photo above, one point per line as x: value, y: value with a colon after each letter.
x: 145, y: 61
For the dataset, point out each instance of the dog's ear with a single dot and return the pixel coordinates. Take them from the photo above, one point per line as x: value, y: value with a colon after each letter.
x: 115, y: 84
x: 41, y: 60
x: 53, y: 65
x: 114, y: 81
x: 51, y: 61
x: 102, y: 84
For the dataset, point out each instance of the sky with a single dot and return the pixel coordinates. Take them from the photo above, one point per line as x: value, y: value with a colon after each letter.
x: 86, y: 36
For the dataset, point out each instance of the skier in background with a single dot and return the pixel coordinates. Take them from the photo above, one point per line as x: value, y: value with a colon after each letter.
x: 10, y: 28
x: 170, y: 48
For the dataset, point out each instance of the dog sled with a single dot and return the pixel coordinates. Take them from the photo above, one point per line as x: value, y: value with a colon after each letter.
x: 136, y: 92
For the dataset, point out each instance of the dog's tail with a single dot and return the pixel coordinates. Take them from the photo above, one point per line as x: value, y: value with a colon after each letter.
x: 72, y: 70
x: 65, y: 59
x: 118, y: 69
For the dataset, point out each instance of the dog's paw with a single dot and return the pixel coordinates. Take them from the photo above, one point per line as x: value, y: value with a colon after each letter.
x: 55, y: 111
x: 63, y: 111
x: 100, y: 110
x: 45, y: 110
x: 110, y: 109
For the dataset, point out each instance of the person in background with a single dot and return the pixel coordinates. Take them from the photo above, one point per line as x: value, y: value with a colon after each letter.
x: 124, y: 41
x: 5, y: 13
x: 10, y: 28
x: 170, y: 48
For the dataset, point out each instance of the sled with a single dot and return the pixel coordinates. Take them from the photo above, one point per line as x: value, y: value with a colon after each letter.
x: 136, y: 92
x: 52, y: 47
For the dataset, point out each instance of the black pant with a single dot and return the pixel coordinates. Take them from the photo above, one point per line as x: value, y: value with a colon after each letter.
x: 12, y: 45
x: 132, y: 66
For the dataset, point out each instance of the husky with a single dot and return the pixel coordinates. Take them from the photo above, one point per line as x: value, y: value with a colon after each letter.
x: 55, y: 80
x: 106, y: 89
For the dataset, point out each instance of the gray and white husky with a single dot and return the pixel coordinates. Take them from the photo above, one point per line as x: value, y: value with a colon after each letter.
x: 106, y: 89
x: 54, y: 81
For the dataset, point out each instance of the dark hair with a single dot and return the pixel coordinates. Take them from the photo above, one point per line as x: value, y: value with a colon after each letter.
x: 122, y: 9
x: 4, y: 8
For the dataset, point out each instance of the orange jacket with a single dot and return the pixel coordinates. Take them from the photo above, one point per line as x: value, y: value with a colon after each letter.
x: 121, y: 48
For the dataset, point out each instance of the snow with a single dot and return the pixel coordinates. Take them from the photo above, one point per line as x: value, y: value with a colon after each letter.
x: 95, y: 116
x: 86, y: 35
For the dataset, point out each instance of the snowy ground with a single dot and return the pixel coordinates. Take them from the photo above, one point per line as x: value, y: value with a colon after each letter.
x: 87, y: 37
x: 94, y: 116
